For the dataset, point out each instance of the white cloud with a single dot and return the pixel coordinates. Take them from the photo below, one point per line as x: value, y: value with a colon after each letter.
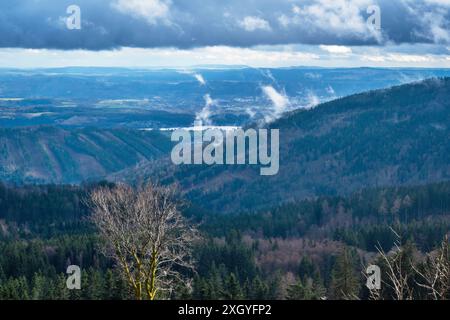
x: 438, y: 30
x: 255, y: 57
x: 409, y: 58
x: 337, y: 49
x: 250, y: 113
x: 400, y: 58
x: 254, y: 23
x: 433, y: 19
x: 150, y: 10
x: 267, y: 56
x: 443, y: 3
x: 284, y: 21
x: 373, y: 58
x: 159, y: 57
x: 340, y: 16
x: 296, y: 9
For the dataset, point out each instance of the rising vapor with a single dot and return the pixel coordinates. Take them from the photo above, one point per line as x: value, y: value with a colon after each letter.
x: 280, y: 102
x: 202, y: 118
x: 200, y: 79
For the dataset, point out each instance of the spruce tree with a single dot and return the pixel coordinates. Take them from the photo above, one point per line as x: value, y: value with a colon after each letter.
x: 233, y: 290
x: 345, y: 283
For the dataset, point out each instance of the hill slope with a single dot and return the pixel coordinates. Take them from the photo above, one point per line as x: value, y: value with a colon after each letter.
x: 55, y: 155
x: 397, y: 136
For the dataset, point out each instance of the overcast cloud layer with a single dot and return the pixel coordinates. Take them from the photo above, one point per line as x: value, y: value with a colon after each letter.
x: 107, y: 24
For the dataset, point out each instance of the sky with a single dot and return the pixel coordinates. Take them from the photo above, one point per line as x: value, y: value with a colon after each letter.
x: 257, y: 33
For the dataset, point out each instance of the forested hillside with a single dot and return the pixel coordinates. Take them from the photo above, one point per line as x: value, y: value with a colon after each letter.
x: 391, y: 137
x: 301, y: 250
x: 56, y: 155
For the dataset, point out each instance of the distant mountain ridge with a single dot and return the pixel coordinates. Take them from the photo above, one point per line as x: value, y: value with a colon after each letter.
x: 167, y: 98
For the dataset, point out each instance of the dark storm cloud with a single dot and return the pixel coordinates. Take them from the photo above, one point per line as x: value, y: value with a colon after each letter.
x: 108, y: 24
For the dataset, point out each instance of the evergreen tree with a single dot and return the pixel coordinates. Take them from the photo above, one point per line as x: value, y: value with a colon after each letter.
x: 345, y: 283
x: 258, y: 289
x: 306, y: 268
x: 233, y: 290
x: 38, y: 287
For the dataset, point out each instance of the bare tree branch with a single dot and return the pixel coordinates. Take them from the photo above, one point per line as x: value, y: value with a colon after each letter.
x: 145, y: 233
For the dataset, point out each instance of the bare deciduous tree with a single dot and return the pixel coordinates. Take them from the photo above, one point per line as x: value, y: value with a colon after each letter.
x: 145, y: 233
x: 436, y: 275
x: 403, y: 271
x: 396, y: 272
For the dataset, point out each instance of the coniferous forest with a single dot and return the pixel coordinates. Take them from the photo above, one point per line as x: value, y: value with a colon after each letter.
x: 313, y: 249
